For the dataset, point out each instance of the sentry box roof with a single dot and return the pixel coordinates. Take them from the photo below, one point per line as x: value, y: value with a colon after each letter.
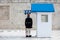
x: 42, y: 7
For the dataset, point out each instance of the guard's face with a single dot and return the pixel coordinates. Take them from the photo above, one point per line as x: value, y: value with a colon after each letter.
x: 28, y: 15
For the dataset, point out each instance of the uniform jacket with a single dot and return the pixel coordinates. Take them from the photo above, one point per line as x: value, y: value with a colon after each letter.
x: 28, y: 22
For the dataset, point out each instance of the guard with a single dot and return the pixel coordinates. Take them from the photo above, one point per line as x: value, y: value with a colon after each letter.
x: 28, y: 25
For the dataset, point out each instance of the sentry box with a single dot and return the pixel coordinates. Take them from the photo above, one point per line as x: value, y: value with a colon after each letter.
x: 44, y: 18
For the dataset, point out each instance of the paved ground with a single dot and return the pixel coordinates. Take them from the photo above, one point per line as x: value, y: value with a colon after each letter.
x: 15, y: 36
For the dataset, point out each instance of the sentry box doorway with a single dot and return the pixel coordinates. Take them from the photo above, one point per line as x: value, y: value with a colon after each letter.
x: 43, y: 12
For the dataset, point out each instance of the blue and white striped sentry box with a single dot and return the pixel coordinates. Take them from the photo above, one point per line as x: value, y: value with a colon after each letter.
x: 27, y: 12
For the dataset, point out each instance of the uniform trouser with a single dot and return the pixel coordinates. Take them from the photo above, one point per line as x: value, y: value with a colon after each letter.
x: 28, y: 31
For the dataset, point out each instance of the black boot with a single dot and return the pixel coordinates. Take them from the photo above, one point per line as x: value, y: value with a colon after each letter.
x: 27, y: 36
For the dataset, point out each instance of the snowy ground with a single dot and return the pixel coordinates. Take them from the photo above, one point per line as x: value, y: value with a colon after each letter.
x: 20, y: 35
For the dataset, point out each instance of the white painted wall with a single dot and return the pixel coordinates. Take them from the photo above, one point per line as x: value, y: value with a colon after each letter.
x: 44, y: 29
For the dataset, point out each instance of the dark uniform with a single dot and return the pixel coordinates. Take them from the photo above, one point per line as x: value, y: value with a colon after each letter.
x: 28, y: 22
x: 28, y: 25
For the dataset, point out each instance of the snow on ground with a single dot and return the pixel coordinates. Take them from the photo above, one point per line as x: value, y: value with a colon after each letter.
x: 20, y: 35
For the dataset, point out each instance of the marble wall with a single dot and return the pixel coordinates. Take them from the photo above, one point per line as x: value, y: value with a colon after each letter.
x: 12, y: 16
x: 15, y: 15
x: 56, y: 17
x: 4, y: 12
